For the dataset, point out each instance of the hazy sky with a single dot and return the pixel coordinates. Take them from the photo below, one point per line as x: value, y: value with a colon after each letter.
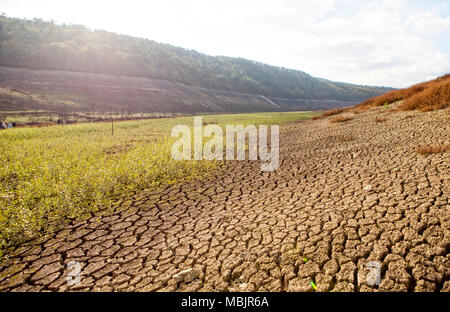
x: 380, y: 42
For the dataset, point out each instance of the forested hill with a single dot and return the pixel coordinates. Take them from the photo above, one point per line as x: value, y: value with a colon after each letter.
x: 39, y: 44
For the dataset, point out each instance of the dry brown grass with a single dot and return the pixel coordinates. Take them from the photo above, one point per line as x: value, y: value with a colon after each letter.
x: 436, y: 96
x: 332, y: 112
x: 432, y: 149
x: 392, y: 110
x: 328, y: 113
x: 340, y: 119
x: 425, y: 96
x: 357, y: 110
x: 345, y: 138
x: 380, y: 119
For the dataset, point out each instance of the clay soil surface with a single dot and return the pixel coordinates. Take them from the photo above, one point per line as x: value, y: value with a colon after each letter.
x: 345, y: 194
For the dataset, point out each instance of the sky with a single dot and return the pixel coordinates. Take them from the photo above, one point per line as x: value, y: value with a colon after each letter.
x: 392, y: 43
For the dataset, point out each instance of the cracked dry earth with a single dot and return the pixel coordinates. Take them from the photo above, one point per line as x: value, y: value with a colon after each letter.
x: 345, y: 194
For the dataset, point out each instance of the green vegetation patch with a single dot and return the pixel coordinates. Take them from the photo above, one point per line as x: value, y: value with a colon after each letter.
x: 49, y: 175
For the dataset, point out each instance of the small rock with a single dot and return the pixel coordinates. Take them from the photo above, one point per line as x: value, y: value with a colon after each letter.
x: 244, y: 255
x: 192, y: 276
x: 179, y: 277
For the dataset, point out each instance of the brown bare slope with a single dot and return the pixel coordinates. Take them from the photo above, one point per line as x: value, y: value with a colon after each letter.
x: 53, y: 90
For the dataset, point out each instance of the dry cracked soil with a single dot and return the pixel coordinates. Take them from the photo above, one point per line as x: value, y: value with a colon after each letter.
x: 345, y: 194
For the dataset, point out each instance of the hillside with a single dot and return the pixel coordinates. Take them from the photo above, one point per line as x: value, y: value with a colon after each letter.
x: 64, y: 91
x: 37, y: 44
x: 425, y: 96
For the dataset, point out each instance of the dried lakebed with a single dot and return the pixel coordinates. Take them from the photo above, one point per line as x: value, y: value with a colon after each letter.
x: 345, y: 194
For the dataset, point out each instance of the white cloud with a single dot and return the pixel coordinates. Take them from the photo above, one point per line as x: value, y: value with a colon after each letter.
x: 391, y: 42
x: 375, y: 45
x: 428, y: 23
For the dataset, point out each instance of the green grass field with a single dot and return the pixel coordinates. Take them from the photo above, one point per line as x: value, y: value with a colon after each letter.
x: 49, y: 175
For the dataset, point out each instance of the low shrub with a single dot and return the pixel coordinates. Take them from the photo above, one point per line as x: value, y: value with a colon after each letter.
x: 432, y: 149
x: 340, y: 119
